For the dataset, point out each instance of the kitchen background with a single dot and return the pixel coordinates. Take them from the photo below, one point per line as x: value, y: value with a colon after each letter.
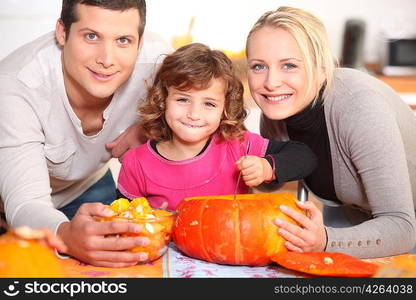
x: 224, y: 24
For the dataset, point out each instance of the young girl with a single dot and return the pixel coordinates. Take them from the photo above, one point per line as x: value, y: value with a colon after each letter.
x: 197, y: 144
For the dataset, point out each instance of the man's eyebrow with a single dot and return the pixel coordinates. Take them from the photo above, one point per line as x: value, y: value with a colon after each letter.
x: 88, y: 29
x: 98, y: 33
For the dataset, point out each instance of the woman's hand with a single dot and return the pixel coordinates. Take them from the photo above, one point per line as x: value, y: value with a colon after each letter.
x: 254, y: 170
x: 100, y: 243
x: 309, y: 235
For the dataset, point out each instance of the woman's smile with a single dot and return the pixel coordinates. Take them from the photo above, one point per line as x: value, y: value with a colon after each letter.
x: 277, y: 98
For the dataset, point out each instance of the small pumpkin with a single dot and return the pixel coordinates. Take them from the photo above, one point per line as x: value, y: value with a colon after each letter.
x: 325, y: 264
x: 23, y: 253
x: 224, y: 230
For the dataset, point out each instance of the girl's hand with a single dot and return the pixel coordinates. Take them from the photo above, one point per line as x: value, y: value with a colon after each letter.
x: 309, y: 235
x: 254, y: 170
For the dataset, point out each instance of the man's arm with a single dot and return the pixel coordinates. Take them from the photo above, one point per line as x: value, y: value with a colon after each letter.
x: 24, y: 178
x: 26, y: 193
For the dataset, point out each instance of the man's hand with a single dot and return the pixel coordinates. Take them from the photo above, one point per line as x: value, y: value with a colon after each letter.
x: 254, y: 170
x: 99, y: 243
x: 128, y: 139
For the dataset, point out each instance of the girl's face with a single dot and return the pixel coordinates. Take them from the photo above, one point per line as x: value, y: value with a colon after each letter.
x: 194, y: 115
x: 276, y: 76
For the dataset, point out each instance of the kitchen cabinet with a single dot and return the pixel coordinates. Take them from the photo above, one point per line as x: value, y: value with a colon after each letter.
x: 403, y: 85
x: 400, y: 84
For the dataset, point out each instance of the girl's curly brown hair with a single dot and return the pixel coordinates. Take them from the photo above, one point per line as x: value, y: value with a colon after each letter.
x: 193, y: 67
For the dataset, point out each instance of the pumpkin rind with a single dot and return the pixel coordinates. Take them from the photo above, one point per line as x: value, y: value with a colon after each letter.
x: 332, y: 264
x: 222, y: 230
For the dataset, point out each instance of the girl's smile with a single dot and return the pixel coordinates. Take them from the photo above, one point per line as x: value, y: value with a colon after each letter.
x: 192, y: 126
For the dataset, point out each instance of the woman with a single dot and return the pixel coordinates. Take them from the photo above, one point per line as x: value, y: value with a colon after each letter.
x: 360, y: 129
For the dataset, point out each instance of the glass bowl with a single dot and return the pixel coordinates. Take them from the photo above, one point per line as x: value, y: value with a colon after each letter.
x: 159, y: 232
x: 158, y: 229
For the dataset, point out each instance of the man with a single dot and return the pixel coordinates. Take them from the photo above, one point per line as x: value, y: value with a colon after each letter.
x: 63, y: 98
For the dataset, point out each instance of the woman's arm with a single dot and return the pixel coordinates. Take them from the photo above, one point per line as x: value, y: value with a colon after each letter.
x: 372, y: 150
x: 291, y: 160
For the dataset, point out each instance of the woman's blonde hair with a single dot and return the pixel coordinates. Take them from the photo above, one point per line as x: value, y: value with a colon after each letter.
x: 312, y: 39
x: 194, y: 66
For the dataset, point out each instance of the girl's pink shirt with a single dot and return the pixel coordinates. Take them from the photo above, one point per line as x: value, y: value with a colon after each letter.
x: 144, y: 173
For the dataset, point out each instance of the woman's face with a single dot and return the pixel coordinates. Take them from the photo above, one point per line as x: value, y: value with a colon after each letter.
x: 277, y: 76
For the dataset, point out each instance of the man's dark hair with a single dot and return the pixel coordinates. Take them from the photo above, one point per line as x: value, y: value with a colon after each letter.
x: 69, y: 14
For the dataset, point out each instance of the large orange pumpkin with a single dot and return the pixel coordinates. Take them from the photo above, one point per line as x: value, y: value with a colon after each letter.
x: 238, y: 231
x: 23, y: 256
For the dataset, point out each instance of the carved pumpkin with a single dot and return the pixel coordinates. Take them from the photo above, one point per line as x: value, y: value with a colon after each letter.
x: 225, y: 230
x: 23, y: 254
x: 325, y: 264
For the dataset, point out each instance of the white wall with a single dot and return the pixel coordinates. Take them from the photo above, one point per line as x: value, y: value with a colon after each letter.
x: 222, y: 24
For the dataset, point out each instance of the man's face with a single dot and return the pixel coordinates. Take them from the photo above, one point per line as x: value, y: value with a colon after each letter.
x: 100, y: 52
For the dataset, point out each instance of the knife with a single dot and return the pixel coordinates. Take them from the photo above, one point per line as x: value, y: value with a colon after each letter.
x: 239, y: 175
x: 302, y: 191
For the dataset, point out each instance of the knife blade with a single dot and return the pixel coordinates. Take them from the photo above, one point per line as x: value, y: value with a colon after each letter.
x: 302, y: 191
x: 239, y: 175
